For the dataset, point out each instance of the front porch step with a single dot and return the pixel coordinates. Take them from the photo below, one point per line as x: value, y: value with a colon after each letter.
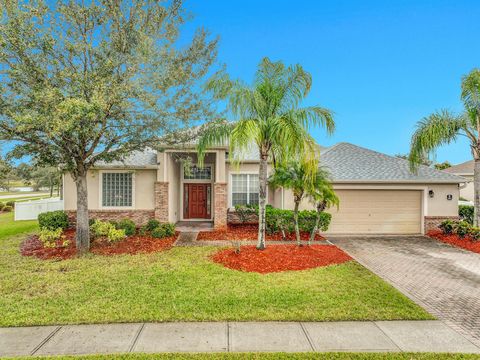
x: 186, y: 238
x: 194, y: 226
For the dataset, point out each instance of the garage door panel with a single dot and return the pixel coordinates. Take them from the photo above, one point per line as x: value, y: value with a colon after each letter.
x: 377, y: 211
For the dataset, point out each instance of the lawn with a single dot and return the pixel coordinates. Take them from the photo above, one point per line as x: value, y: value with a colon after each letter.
x: 8, y: 227
x: 274, y: 356
x: 182, y: 284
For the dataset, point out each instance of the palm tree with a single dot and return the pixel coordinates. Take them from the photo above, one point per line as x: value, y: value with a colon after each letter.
x: 293, y: 176
x: 323, y: 195
x: 267, y: 114
x: 444, y: 127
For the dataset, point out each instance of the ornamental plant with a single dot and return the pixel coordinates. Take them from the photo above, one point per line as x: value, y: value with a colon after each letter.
x: 127, y: 225
x: 462, y: 229
x: 53, y: 220
x: 53, y: 238
x: 447, y: 226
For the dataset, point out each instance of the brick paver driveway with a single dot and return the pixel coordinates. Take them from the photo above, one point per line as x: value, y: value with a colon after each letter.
x: 443, y: 279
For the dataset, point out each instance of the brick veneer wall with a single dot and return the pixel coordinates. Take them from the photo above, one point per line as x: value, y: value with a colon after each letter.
x: 220, y: 206
x: 233, y: 218
x: 140, y: 217
x: 161, y: 201
x: 432, y: 222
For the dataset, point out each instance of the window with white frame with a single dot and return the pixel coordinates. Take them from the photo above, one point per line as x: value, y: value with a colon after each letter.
x: 117, y: 189
x: 244, y: 189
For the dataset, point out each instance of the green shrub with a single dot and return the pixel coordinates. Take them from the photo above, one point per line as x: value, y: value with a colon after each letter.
x: 278, y: 220
x: 158, y: 232
x: 127, y: 225
x: 115, y: 235
x: 7, y: 208
x: 475, y: 233
x: 53, y: 220
x: 466, y: 213
x: 244, y: 212
x: 100, y: 228
x: 2, y: 205
x: 10, y: 203
x: 448, y: 226
x: 143, y: 230
x: 51, y: 238
x: 462, y: 228
x: 152, y: 224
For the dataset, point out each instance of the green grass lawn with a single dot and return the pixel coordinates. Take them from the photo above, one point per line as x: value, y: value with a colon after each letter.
x: 27, y: 198
x: 181, y: 284
x: 274, y: 356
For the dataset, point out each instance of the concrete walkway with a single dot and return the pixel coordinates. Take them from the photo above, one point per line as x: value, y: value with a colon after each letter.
x: 411, y: 336
x: 443, y: 279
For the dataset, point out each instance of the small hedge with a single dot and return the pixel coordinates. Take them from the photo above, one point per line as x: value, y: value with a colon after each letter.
x: 466, y: 213
x: 163, y: 230
x: 460, y: 228
x: 53, y: 220
x: 7, y: 208
x: 128, y: 226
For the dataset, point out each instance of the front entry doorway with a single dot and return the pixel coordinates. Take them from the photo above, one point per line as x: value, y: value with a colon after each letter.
x: 197, y: 201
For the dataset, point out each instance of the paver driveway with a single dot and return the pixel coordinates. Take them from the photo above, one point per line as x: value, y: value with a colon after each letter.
x: 443, y: 279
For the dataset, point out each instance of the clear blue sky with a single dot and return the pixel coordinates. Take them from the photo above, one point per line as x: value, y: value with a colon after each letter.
x: 379, y: 65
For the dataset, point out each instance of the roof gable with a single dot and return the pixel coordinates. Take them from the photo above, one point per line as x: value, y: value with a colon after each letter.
x: 463, y: 168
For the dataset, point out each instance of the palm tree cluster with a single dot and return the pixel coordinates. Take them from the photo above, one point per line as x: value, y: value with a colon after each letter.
x: 444, y: 127
x: 268, y: 114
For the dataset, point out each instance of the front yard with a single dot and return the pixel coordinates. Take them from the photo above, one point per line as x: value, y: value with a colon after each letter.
x: 182, y: 284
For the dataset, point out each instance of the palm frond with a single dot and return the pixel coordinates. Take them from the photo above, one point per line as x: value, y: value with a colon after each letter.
x: 215, y: 133
x: 471, y: 94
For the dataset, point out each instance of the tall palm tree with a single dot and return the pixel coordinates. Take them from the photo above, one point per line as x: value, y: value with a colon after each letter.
x: 267, y: 114
x: 294, y: 176
x: 323, y: 195
x: 444, y: 127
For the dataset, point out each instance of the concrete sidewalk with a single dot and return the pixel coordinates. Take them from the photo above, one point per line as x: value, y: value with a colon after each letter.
x: 411, y: 336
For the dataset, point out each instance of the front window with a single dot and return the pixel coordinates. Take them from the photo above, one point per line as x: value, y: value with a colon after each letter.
x: 197, y: 173
x: 245, y: 189
x: 117, y: 189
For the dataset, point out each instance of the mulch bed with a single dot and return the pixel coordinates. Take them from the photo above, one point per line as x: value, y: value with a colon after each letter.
x: 32, y: 246
x: 466, y: 243
x: 249, y: 232
x: 278, y: 258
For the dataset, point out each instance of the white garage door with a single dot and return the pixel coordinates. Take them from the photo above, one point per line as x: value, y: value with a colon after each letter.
x: 377, y: 212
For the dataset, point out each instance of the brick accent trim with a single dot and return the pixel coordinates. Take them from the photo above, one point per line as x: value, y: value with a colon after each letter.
x: 140, y: 217
x: 220, y: 206
x: 432, y: 222
x: 161, y: 201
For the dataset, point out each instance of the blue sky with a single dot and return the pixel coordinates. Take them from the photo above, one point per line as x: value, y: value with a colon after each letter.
x: 379, y: 65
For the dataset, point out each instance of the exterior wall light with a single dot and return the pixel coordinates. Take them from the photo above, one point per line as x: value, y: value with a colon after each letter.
x: 449, y: 197
x: 431, y: 193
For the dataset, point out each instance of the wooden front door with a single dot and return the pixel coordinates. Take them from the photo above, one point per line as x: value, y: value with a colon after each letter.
x: 196, y: 199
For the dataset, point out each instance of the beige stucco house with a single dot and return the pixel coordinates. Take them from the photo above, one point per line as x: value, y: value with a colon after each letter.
x: 378, y: 193
x: 465, y: 170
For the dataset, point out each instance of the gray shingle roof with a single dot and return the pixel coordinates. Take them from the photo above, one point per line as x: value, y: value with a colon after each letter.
x: 348, y: 162
x: 137, y: 159
x: 463, y: 168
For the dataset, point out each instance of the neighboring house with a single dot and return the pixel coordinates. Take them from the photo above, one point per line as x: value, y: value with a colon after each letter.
x: 378, y: 194
x: 464, y: 170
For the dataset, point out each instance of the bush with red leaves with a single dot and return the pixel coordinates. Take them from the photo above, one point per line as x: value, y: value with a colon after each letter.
x: 278, y: 258
x: 32, y: 246
x: 248, y: 232
x: 466, y: 243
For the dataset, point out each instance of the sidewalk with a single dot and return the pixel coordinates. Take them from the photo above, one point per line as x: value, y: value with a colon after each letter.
x: 411, y: 336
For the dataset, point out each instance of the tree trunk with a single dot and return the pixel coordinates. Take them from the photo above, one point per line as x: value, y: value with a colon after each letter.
x: 295, y: 220
x: 320, y: 208
x: 262, y: 195
x: 476, y: 192
x: 83, y: 232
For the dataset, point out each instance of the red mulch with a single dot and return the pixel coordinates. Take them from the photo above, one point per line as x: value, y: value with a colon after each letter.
x: 278, y: 258
x: 249, y: 232
x: 452, y: 239
x: 32, y: 246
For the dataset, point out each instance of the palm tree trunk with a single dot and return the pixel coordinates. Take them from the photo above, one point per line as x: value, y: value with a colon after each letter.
x: 262, y: 201
x: 295, y: 220
x: 476, y: 192
x: 83, y: 235
x: 320, y: 208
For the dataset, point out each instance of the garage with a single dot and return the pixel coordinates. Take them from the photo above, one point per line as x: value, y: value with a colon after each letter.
x: 378, y: 212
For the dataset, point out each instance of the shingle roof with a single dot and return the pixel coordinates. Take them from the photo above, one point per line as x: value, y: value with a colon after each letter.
x: 348, y: 162
x: 463, y: 168
x: 137, y: 159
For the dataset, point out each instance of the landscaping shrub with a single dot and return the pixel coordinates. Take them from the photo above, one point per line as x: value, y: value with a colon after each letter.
x: 466, y: 213
x: 7, y: 208
x: 163, y: 230
x: 115, y: 235
x: 448, y: 226
x: 2, y: 205
x: 53, y: 220
x: 245, y: 211
x: 152, y: 224
x: 49, y: 238
x: 475, y: 233
x: 100, y: 228
x: 143, y: 230
x: 462, y: 229
x: 127, y: 225
x: 10, y: 203
x: 282, y: 220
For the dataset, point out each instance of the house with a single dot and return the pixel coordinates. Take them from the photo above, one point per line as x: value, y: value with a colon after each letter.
x: 464, y: 170
x: 378, y: 193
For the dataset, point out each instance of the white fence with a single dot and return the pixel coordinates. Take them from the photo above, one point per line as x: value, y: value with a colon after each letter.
x: 29, y: 210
